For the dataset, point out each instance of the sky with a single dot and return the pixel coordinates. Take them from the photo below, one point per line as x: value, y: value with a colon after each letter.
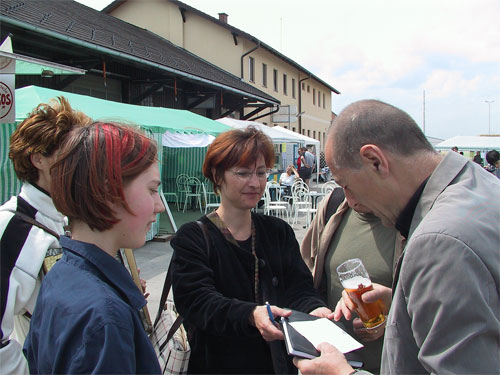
x: 390, y: 50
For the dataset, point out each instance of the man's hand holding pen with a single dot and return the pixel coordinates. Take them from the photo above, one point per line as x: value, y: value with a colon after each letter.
x: 268, y: 328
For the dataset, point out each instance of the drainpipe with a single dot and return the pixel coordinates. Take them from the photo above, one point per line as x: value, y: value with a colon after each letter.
x: 247, y: 53
x: 127, y: 57
x: 300, y: 102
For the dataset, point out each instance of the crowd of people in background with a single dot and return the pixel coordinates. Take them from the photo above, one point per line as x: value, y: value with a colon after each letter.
x: 91, y: 188
x: 492, y: 160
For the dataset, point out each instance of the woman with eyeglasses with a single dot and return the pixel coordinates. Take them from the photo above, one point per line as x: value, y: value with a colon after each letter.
x: 222, y: 281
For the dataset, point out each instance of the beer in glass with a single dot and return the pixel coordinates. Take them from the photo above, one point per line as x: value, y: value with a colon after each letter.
x: 356, y: 281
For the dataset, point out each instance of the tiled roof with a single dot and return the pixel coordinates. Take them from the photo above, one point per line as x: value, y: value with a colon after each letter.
x: 69, y: 19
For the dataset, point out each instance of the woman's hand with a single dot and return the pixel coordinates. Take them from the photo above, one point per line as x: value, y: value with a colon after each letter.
x: 269, y: 330
x: 365, y: 334
x: 322, y: 312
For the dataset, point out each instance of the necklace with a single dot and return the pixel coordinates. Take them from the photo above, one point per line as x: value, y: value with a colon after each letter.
x: 217, y: 221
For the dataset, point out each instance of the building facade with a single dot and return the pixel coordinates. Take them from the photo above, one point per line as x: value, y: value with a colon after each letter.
x: 305, y: 98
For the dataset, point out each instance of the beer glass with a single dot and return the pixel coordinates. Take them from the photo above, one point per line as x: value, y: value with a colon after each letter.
x: 356, y: 281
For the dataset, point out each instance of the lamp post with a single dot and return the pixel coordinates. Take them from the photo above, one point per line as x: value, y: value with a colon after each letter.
x: 489, y: 112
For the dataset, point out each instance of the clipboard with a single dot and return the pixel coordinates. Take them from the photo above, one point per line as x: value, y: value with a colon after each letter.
x: 300, y: 346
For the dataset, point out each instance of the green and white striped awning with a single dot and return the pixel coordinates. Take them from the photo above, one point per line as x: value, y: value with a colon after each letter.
x: 9, y: 184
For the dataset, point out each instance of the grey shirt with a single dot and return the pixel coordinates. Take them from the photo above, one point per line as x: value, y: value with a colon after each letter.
x: 309, y: 158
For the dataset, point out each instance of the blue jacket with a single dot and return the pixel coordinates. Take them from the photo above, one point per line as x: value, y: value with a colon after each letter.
x: 86, y: 318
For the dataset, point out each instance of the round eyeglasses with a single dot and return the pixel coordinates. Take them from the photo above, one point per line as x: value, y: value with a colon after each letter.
x: 246, y: 175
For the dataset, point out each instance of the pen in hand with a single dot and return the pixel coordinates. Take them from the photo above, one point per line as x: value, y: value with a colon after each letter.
x: 270, y: 313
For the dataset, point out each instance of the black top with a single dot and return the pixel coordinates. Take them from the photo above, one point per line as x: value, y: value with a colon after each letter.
x: 403, y: 222
x: 215, y: 295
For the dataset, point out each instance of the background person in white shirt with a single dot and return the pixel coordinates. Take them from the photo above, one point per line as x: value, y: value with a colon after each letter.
x: 288, y: 177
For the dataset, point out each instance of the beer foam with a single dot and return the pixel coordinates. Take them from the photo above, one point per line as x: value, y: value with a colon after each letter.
x: 354, y: 282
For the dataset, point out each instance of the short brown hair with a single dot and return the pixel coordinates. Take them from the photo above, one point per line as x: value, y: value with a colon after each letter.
x: 42, y: 132
x: 94, y: 165
x: 236, y: 147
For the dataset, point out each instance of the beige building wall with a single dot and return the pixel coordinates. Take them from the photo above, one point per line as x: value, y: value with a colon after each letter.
x: 316, y: 105
x: 214, y: 43
x: 161, y: 17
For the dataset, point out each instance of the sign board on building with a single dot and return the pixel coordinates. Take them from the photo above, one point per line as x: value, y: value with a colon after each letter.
x: 286, y: 114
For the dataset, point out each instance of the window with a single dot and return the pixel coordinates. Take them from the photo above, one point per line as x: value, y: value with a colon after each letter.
x: 308, y: 132
x: 303, y: 86
x: 264, y: 75
x: 314, y: 96
x: 275, y: 79
x: 323, y: 100
x: 319, y: 137
x: 293, y: 128
x: 319, y: 99
x: 251, y: 67
x: 314, y: 134
x: 308, y: 89
x: 303, y: 132
x: 285, y: 91
x: 293, y: 88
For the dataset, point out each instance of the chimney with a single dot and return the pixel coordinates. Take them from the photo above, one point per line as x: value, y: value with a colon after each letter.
x: 223, y: 17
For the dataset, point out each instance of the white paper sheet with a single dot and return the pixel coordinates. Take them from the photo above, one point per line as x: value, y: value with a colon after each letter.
x: 323, y: 330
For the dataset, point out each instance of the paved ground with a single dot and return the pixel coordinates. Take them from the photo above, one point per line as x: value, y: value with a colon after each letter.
x: 154, y: 257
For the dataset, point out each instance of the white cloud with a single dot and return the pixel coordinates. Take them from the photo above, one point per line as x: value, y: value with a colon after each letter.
x: 445, y: 83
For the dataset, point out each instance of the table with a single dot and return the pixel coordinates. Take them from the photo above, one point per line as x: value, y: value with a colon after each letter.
x: 313, y: 196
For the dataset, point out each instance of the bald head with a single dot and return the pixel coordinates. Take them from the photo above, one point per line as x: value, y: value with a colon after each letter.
x: 373, y: 122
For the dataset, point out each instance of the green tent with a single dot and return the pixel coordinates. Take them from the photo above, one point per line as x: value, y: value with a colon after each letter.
x: 157, y: 119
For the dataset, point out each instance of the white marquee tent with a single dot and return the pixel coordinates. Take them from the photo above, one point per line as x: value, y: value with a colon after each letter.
x: 471, y: 143
x: 276, y: 136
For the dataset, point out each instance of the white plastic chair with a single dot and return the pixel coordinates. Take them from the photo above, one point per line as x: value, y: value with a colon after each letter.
x: 273, y: 185
x: 279, y: 208
x: 302, y: 203
x: 328, y: 187
x: 194, y: 187
x: 172, y: 194
x: 182, y: 188
x: 298, y: 202
x: 208, y: 204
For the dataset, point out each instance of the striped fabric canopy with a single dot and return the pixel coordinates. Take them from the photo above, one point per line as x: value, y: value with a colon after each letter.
x: 9, y: 184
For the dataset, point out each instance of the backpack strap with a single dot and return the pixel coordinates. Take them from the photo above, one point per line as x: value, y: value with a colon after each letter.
x: 32, y: 221
x: 336, y: 198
